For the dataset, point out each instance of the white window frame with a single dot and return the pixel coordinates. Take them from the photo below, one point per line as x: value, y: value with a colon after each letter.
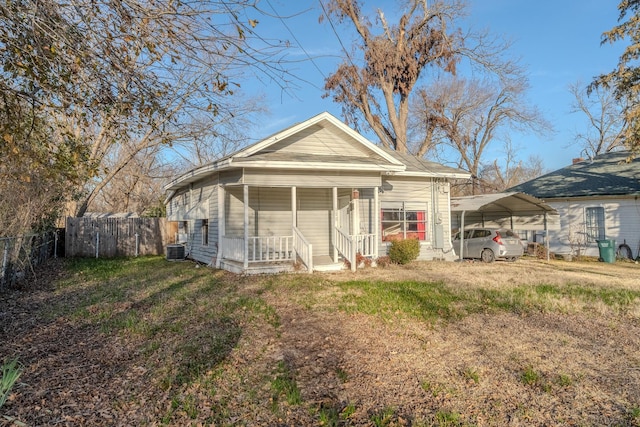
x: 594, y: 222
x: 405, y: 224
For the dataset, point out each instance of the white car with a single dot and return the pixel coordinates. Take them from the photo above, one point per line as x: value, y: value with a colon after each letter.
x: 489, y: 244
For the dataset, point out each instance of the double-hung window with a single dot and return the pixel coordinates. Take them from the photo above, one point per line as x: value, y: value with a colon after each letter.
x: 594, y: 221
x: 401, y: 220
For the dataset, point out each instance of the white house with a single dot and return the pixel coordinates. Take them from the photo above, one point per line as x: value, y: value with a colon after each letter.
x: 314, y: 195
x: 596, y: 199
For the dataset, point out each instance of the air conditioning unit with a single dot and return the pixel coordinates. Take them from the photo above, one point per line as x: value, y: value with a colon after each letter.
x: 175, y: 252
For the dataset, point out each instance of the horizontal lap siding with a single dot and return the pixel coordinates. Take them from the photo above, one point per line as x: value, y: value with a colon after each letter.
x: 405, y: 189
x: 312, y: 179
x: 272, y: 210
x: 204, y: 192
x: 367, y: 211
x: 234, y: 212
x: 314, y: 218
x: 269, y: 211
x: 319, y: 140
x: 622, y: 223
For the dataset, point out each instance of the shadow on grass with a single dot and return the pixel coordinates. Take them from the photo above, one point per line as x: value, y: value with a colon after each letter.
x: 180, y: 317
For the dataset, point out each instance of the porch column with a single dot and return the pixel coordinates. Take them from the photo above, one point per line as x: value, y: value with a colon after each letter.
x: 334, y: 223
x: 376, y: 222
x: 355, y: 212
x: 221, y: 225
x: 245, y: 200
x: 294, y: 207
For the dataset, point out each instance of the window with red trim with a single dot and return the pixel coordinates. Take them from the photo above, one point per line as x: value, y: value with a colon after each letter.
x: 401, y: 223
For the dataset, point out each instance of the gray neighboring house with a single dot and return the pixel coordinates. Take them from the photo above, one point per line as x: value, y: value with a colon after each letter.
x: 596, y: 199
x: 312, y: 196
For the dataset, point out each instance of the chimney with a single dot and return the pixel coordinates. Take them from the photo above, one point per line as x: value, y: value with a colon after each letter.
x: 577, y: 160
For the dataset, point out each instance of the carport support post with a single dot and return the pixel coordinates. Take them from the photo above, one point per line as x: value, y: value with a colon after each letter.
x: 546, y: 236
x: 462, y: 234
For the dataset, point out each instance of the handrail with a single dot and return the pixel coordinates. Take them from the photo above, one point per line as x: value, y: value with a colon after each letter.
x: 303, y: 248
x: 344, y: 245
x: 349, y: 246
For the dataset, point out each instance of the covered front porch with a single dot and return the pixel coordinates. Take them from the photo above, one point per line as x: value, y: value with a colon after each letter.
x: 275, y: 229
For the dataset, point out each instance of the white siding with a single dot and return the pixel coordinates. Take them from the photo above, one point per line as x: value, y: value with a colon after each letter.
x: 313, y: 179
x: 622, y: 223
x: 269, y: 211
x: 436, y: 196
x: 320, y: 140
x: 204, y: 194
x: 314, y: 218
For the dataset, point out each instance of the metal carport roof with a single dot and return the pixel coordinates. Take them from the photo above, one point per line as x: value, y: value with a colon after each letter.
x: 504, y: 205
x: 512, y: 203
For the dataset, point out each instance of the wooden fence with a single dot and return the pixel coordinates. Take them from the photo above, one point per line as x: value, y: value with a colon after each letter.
x: 112, y: 237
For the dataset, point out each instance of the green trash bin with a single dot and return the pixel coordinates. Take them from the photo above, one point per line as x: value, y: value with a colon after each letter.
x: 607, y: 249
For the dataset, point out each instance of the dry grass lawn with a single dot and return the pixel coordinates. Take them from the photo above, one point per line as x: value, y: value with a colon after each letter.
x: 428, y: 344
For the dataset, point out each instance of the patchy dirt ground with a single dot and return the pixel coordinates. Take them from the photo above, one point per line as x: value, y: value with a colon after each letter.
x: 566, y: 366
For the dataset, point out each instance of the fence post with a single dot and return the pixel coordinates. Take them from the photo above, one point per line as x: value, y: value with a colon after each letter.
x: 55, y: 244
x: 136, y: 244
x: 97, y: 243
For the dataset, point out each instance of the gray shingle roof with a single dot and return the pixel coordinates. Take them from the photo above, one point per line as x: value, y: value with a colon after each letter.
x: 606, y: 175
x: 416, y: 164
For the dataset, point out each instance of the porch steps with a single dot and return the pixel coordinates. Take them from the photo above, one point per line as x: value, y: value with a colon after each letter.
x: 324, y: 263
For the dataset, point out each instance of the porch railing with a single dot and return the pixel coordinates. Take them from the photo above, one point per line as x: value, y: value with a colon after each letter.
x: 260, y: 248
x: 303, y: 249
x: 348, y: 246
x: 365, y: 244
x: 270, y: 248
x: 345, y: 246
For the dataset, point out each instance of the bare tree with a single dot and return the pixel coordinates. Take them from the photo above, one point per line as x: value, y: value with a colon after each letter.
x: 499, y: 176
x: 623, y: 79
x: 605, y: 127
x: 127, y: 76
x: 395, y: 57
x: 464, y: 117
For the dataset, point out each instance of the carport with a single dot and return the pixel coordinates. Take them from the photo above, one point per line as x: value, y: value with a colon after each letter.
x: 517, y: 211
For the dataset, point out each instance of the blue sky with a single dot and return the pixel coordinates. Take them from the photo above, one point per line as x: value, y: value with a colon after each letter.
x: 558, y: 43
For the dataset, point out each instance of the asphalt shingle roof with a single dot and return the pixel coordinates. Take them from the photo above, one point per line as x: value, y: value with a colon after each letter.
x: 609, y: 174
x: 416, y: 164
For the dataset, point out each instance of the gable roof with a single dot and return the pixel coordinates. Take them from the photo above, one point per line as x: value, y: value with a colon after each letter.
x: 608, y: 174
x: 320, y: 143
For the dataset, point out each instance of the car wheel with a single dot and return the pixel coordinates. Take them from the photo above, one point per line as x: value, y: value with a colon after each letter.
x: 487, y: 255
x: 512, y: 259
